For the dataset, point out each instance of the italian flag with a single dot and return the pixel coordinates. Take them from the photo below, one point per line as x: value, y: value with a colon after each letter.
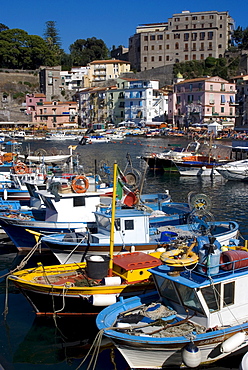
x: 125, y: 195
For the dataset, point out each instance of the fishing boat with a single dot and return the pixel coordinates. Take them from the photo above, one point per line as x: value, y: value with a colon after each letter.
x: 165, y: 160
x: 237, y: 170
x: 68, y: 207
x: 85, y: 288
x: 199, y: 318
x: 135, y: 230
x: 198, y: 165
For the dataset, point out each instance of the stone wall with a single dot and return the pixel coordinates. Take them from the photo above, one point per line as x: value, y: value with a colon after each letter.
x: 14, y: 85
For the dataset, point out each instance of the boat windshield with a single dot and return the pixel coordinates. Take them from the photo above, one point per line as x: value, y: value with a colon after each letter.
x: 178, y: 293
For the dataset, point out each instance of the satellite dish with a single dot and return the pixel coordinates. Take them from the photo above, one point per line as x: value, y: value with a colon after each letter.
x: 201, y: 222
x: 199, y: 201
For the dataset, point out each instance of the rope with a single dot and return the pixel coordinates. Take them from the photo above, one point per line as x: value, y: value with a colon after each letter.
x: 69, y: 255
x: 19, y: 267
x: 96, y: 345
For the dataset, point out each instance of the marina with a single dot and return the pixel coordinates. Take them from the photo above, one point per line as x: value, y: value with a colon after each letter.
x: 33, y: 342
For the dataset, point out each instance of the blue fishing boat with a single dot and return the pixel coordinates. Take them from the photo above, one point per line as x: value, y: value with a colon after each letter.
x: 136, y: 230
x: 199, y: 317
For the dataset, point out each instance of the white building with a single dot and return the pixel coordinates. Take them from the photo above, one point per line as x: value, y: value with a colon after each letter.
x: 75, y: 78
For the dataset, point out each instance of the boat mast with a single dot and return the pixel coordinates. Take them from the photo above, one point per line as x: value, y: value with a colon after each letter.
x: 112, y: 230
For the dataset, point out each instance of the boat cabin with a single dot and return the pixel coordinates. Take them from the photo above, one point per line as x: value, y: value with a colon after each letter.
x: 218, y: 299
x: 131, y: 226
x: 69, y: 207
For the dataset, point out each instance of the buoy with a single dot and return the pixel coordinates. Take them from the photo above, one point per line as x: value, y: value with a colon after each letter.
x: 191, y: 355
x: 96, y: 258
x: 102, y: 299
x: 232, y: 343
x: 112, y: 280
x: 244, y: 362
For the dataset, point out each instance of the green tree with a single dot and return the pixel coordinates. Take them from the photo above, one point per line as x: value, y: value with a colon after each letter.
x: 85, y: 51
x: 51, y: 34
x: 19, y: 50
x: 3, y: 27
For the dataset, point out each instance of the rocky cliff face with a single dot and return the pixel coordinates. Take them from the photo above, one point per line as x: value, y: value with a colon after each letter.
x: 14, y: 85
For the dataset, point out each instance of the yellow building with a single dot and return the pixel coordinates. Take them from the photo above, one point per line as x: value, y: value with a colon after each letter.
x: 103, y: 70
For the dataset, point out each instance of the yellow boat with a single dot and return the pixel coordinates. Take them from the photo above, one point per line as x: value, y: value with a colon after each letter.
x: 83, y: 288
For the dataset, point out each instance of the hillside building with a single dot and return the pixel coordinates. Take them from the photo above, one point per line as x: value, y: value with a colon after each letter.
x: 185, y: 36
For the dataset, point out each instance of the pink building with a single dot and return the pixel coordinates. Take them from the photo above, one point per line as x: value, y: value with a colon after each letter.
x: 33, y: 100
x: 201, y: 100
x: 56, y: 114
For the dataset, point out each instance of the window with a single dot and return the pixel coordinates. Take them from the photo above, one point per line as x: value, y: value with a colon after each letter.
x: 231, y: 111
x: 190, y: 98
x: 177, y: 36
x: 210, y: 25
x: 222, y: 99
x: 222, y: 87
x: 212, y: 297
x: 210, y: 35
x: 190, y: 87
x: 167, y: 47
x: 219, y: 46
x: 202, y: 56
x: 167, y: 58
x: 211, y: 99
x: 186, y: 36
x: 166, y: 289
x: 222, y: 109
x: 152, y: 47
x: 202, y: 17
x: 168, y: 36
x: 220, y: 25
x: 186, y: 26
x: 177, y: 19
x: 176, y: 46
x: 232, y: 99
x: 202, y: 46
x: 186, y: 47
x: 228, y: 293
x: 211, y: 17
x: 159, y: 37
x: 194, y: 56
x: 160, y: 58
x: 178, y: 99
x: 194, y: 36
x: 189, y: 297
x: 159, y: 47
x: 145, y: 48
x: 152, y: 59
x: 78, y: 201
x: 129, y: 224
x: 194, y: 18
x: 220, y: 35
x: 152, y: 37
x: 210, y: 46
x: 186, y: 57
x: 145, y: 59
x: 194, y: 46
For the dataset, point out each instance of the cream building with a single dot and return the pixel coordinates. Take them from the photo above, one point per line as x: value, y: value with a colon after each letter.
x: 103, y: 70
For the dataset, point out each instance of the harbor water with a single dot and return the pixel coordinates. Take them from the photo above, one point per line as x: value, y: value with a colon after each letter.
x: 30, y: 342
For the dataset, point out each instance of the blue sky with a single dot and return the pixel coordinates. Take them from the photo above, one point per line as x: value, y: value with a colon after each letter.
x: 112, y: 21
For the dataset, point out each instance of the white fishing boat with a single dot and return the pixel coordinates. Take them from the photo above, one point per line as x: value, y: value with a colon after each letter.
x: 237, y: 170
x: 47, y: 159
x: 197, y: 318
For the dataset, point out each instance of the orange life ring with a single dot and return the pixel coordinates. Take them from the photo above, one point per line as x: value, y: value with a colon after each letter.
x: 80, y: 184
x: 21, y: 168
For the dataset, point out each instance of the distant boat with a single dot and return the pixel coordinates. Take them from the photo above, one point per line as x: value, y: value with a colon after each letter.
x: 47, y: 159
x: 237, y: 170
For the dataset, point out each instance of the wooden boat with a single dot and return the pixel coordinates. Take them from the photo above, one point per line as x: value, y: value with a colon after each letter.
x: 198, y: 319
x: 85, y: 288
x: 198, y: 165
x: 136, y: 230
x: 165, y: 160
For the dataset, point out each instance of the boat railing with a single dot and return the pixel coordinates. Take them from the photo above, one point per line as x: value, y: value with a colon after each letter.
x: 231, y: 262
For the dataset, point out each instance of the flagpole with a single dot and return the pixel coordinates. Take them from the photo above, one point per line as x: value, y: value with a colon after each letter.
x: 112, y: 230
